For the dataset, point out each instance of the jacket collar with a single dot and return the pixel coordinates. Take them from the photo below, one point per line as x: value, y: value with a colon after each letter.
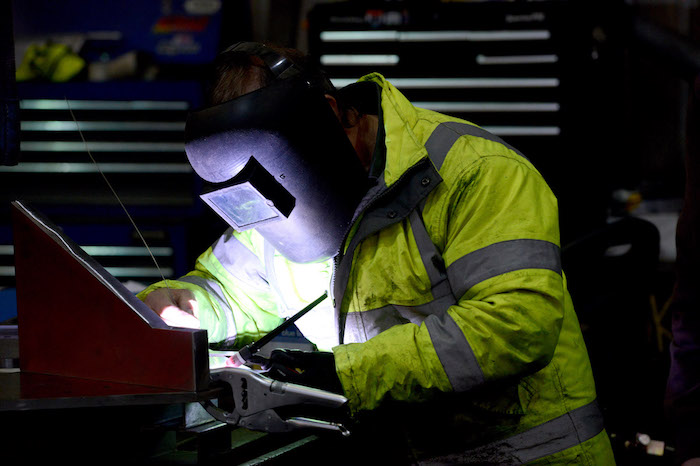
x: 404, y: 148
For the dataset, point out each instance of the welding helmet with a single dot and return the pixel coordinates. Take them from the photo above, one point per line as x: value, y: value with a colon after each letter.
x: 278, y: 160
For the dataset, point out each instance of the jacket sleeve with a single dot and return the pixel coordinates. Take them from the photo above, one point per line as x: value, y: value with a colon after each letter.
x: 235, y: 301
x: 497, y: 231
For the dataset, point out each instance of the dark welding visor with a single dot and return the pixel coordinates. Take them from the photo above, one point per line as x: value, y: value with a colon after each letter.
x: 278, y: 160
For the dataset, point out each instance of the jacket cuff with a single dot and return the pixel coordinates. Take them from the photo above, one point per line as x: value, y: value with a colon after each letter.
x: 343, y: 368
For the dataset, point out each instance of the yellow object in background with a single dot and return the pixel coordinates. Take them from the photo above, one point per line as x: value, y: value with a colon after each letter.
x: 55, y: 62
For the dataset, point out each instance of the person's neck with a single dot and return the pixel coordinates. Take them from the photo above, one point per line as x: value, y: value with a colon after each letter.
x: 365, y: 138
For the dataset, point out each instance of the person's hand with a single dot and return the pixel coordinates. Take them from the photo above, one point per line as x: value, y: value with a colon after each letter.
x: 176, y: 307
x: 311, y: 368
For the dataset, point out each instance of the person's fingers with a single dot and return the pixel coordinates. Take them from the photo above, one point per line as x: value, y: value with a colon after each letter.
x: 184, y: 299
x: 176, y: 317
x: 158, y: 300
x: 162, y: 298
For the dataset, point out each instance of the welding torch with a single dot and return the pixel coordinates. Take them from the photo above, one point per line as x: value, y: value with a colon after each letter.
x: 247, y: 354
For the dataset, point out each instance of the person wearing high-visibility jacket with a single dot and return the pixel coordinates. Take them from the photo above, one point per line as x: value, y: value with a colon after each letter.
x: 447, y: 290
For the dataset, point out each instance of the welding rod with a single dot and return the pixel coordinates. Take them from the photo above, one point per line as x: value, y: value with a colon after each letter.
x: 246, y: 353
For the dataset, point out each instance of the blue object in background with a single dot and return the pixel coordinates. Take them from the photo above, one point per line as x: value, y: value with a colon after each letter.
x: 176, y: 31
x: 8, y: 304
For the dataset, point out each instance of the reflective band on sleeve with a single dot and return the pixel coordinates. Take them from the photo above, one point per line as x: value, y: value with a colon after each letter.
x: 215, y: 292
x: 500, y: 258
x: 446, y: 134
x: 362, y: 326
x: 239, y: 261
x: 419, y: 313
x: 554, y: 436
x: 455, y: 353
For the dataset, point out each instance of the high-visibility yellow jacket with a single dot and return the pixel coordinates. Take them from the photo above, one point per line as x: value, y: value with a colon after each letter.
x: 450, y: 282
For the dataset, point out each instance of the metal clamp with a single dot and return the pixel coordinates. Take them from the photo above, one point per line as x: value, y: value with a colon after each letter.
x: 256, y: 398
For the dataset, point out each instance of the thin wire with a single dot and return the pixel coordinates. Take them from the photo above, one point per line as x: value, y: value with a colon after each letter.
x: 87, y: 149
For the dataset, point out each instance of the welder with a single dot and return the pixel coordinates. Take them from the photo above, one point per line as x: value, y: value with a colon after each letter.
x: 438, y: 244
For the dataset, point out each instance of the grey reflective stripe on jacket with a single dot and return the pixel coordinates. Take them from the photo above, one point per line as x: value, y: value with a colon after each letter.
x: 500, y: 258
x: 566, y: 431
x: 239, y: 261
x: 242, y: 264
x: 446, y: 134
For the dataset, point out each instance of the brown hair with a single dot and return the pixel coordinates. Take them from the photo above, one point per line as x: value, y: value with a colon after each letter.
x: 237, y: 73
